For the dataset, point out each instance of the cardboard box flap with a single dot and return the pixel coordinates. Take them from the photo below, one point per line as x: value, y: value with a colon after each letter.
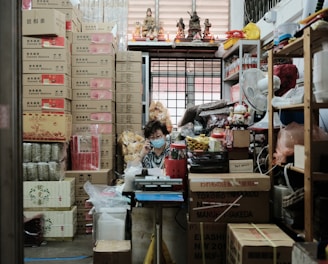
x: 112, y: 246
x: 227, y: 182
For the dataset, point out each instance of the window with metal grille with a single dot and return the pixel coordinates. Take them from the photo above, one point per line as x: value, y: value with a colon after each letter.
x: 179, y: 83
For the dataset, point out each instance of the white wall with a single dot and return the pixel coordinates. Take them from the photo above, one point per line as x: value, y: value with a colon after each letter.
x: 287, y: 11
x: 236, y: 14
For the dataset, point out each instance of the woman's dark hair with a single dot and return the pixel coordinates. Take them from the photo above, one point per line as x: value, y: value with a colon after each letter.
x: 152, y: 126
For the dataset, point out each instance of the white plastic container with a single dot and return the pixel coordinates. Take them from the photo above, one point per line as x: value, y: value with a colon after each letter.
x: 321, y: 96
x: 109, y: 224
x: 320, y: 64
x: 287, y: 30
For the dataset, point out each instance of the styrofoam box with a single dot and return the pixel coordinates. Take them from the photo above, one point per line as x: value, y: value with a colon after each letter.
x: 49, y: 194
x: 57, y: 224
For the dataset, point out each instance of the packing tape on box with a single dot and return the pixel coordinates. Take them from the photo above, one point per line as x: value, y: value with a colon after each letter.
x: 270, y: 241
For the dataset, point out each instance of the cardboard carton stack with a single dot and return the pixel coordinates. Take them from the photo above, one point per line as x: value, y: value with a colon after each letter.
x: 218, y: 199
x: 93, y: 83
x: 47, y: 119
x: 129, y: 92
x: 73, y: 16
x: 82, y: 199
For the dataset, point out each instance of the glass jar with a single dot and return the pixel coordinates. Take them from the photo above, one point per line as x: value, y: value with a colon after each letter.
x: 178, y: 151
x: 216, y: 142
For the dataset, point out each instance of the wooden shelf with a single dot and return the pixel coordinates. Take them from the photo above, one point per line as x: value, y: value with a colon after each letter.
x: 303, y: 47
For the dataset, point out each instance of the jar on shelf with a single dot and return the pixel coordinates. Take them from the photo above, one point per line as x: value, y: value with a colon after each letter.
x: 216, y: 142
x: 178, y: 151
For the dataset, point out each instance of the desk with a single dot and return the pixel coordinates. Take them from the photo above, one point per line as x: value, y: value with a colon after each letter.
x: 158, y: 200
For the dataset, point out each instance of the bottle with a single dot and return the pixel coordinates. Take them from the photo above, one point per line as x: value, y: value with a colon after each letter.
x: 228, y: 137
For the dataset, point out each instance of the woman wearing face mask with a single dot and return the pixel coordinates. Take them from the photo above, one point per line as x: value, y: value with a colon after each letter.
x: 155, y: 148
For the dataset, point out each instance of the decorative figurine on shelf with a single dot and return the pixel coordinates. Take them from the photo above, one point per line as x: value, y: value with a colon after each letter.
x: 136, y: 33
x: 148, y: 26
x: 181, y: 28
x: 161, y: 32
x: 239, y: 115
x: 207, y: 34
x: 194, y: 26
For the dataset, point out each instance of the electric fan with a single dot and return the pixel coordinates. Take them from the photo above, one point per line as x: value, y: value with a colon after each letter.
x: 255, y: 89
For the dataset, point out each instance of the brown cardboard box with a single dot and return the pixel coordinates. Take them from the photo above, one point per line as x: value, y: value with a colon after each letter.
x: 107, y: 163
x: 46, y: 79
x: 93, y: 60
x: 238, y: 153
x: 110, y: 251
x: 93, y: 83
x: 241, y: 138
x: 129, y: 108
x: 49, y: 194
x: 133, y: 98
x: 52, y: 67
x: 94, y: 177
x: 250, y: 192
x: 319, y: 148
x: 39, y: 42
x: 260, y: 243
x: 43, y: 22
x: 96, y: 27
x: 125, y: 87
x: 125, y: 56
x: 206, y: 243
x: 52, y: 4
x: 51, y: 54
x: 47, y: 91
x: 129, y: 77
x: 59, y: 225
x: 129, y: 66
x: 92, y: 37
x: 47, y: 127
x: 120, y: 128
x: 128, y: 118
x: 92, y: 106
x: 86, y: 71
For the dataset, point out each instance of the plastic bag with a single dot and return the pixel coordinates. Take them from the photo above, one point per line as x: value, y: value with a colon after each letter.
x: 104, y: 196
x: 293, y: 134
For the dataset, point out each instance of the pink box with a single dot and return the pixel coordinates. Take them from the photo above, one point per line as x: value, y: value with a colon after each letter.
x: 93, y: 128
x: 93, y: 83
x: 98, y: 38
x: 93, y: 48
x: 87, y: 94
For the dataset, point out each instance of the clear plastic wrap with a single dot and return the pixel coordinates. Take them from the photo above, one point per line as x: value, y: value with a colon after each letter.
x: 104, y: 196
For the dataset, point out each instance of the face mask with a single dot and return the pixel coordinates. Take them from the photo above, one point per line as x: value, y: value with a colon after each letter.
x: 158, y: 143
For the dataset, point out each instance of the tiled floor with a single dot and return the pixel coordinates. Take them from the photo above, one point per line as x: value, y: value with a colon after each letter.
x: 79, y: 251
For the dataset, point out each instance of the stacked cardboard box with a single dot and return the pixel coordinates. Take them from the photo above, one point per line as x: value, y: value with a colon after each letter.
x: 128, y: 97
x: 46, y: 76
x: 47, y: 121
x: 84, y: 217
x: 54, y: 200
x: 93, y: 83
x: 218, y: 199
x: 128, y: 91
x: 73, y: 15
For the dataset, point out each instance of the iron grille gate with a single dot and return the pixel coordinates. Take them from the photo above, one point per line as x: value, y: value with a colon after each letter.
x: 179, y: 83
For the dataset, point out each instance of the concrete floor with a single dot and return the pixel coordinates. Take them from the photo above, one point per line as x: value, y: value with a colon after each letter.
x: 80, y: 251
